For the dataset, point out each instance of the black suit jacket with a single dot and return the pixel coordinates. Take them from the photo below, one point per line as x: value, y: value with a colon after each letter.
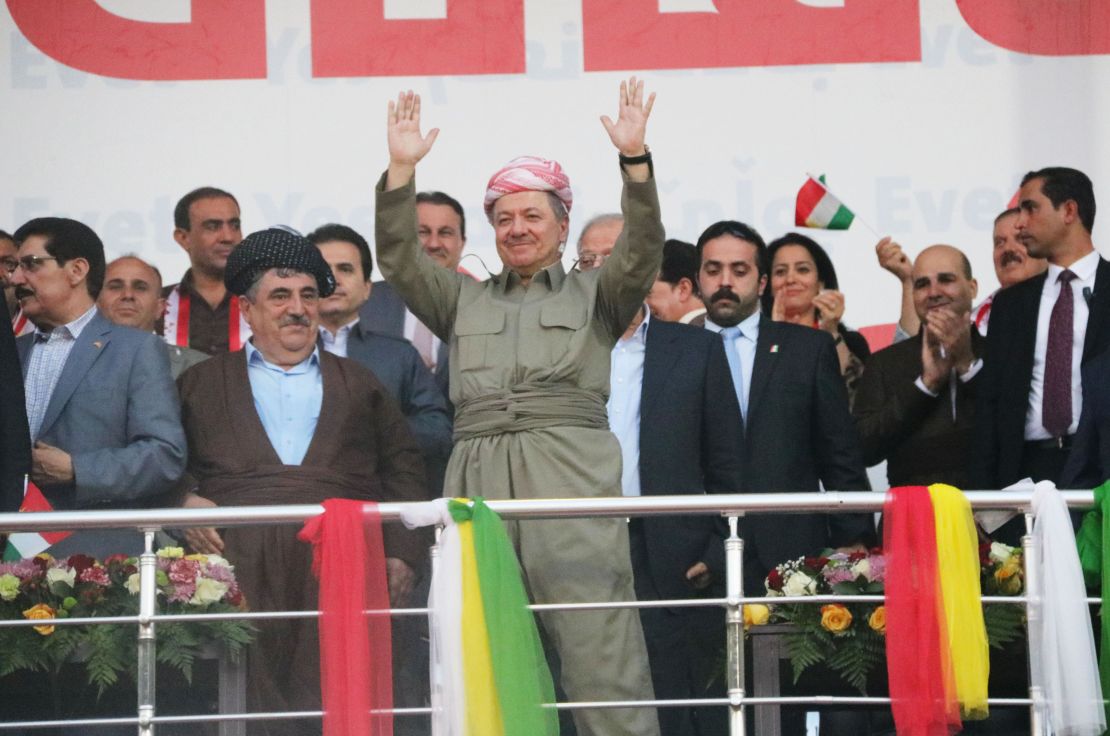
x: 15, y: 437
x: 384, y: 312
x: 690, y: 443
x: 1089, y: 462
x: 1003, y: 397
x: 399, y: 367
x: 798, y: 435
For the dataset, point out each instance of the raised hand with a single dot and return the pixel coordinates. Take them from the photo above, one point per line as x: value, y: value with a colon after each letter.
x: 406, y: 143
x: 893, y: 259
x: 830, y: 310
x: 628, y: 132
x: 936, y: 364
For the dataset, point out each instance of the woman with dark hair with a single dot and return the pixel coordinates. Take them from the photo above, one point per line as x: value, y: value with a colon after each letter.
x: 803, y: 289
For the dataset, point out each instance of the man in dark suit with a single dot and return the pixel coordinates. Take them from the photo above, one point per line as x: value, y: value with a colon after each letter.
x: 441, y: 227
x: 1088, y: 463
x: 1042, y: 332
x: 674, y: 411
x: 15, y: 444
x: 391, y: 358
x: 101, y: 405
x: 915, y: 405
x: 798, y: 433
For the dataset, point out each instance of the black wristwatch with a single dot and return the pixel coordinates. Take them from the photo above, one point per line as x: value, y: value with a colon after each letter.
x: 643, y: 158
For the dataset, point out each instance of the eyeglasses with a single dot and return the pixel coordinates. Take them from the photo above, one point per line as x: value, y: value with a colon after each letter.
x: 9, y: 264
x: 589, y: 261
x: 30, y: 264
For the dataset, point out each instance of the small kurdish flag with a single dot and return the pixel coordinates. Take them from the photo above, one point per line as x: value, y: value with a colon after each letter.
x: 28, y: 544
x: 817, y: 207
x: 494, y: 676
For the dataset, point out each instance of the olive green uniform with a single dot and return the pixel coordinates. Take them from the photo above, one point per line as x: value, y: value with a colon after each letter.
x: 530, y: 377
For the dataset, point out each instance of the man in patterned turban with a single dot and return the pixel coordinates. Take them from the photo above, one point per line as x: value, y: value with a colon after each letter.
x: 529, y: 378
x: 282, y: 422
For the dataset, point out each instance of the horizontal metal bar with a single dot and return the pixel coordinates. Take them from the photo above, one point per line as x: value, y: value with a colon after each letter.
x: 558, y: 508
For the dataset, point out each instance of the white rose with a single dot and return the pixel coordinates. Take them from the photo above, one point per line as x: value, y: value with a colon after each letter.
x: 799, y: 584
x: 133, y: 584
x: 208, y: 591
x: 1000, y: 552
x: 217, y: 560
x: 61, y: 575
x: 862, y: 567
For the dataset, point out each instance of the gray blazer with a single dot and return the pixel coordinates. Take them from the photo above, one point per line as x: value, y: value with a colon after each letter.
x: 115, y: 411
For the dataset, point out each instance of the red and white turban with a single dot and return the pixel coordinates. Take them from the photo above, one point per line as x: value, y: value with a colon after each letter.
x: 529, y: 174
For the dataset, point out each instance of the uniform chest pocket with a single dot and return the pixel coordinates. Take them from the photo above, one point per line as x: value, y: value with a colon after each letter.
x: 559, y: 322
x: 476, y: 331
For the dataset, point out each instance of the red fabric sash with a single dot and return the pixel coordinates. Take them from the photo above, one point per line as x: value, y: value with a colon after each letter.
x: 919, y: 666
x: 356, y: 661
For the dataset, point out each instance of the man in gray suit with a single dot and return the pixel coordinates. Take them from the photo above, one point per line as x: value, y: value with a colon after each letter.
x: 441, y: 227
x: 101, y: 405
x: 132, y: 296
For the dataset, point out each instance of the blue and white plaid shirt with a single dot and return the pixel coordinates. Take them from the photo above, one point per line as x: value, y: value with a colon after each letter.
x: 48, y: 358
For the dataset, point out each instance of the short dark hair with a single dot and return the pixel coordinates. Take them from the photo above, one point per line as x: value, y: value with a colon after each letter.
x: 335, y: 231
x: 680, y: 261
x: 445, y: 199
x: 181, y: 211
x: 67, y: 239
x: 1007, y: 213
x: 1061, y: 184
x: 826, y: 274
x: 736, y: 229
x: 5, y: 235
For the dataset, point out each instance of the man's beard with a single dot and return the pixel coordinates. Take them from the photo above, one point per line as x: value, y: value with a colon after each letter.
x: 727, y: 309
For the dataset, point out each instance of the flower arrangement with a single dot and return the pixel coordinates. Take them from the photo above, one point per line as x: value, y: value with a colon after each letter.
x: 849, y: 637
x: 79, y: 586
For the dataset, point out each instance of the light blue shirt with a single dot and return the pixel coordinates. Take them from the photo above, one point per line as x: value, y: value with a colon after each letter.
x: 287, y: 401
x: 745, y: 349
x: 626, y: 380
x: 48, y: 358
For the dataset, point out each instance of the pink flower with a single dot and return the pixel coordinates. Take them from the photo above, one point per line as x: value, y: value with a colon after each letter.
x: 184, y: 571
x: 183, y: 592
x: 96, y: 574
x: 838, y: 575
x: 878, y: 569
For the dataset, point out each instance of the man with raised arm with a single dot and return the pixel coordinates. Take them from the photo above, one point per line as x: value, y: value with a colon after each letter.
x: 529, y: 357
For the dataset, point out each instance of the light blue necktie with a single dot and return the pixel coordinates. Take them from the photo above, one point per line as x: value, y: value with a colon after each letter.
x: 730, y: 335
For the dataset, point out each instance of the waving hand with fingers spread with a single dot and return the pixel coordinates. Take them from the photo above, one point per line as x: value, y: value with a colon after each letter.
x: 627, y: 133
x: 406, y: 144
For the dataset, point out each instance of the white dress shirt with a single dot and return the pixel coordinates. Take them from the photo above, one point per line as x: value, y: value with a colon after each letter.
x: 626, y: 380
x: 337, y: 344
x: 48, y: 358
x: 410, y: 333
x: 745, y: 348
x: 1084, y: 270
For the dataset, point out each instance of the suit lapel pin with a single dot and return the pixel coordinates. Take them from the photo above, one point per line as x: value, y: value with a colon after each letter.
x: 98, y: 344
x: 775, y: 348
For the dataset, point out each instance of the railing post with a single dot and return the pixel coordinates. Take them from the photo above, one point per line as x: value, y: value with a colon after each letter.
x: 148, y: 604
x: 1032, y: 618
x: 435, y: 670
x: 734, y: 591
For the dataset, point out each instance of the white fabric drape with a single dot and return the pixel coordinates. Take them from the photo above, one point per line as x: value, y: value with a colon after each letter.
x: 1061, y: 643
x: 444, y: 619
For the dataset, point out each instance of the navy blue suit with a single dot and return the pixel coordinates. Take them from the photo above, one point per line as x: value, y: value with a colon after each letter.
x: 15, y: 442
x: 384, y: 313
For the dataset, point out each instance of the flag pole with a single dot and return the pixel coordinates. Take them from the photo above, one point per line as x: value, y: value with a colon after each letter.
x: 856, y: 216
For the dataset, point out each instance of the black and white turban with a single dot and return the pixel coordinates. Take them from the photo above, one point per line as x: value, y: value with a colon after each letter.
x: 276, y: 247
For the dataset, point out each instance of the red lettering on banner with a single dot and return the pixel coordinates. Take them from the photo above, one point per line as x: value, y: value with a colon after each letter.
x: 1047, y: 27
x: 352, y: 38
x: 633, y: 34
x: 225, y: 40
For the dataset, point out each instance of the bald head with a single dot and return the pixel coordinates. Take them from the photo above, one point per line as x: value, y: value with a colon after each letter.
x: 132, y: 293
x: 597, y: 240
x: 942, y: 278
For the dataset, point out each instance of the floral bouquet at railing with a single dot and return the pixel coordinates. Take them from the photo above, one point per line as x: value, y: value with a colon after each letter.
x: 849, y: 637
x: 80, y: 586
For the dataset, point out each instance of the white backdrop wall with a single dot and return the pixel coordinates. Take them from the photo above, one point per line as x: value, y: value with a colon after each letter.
x: 928, y: 150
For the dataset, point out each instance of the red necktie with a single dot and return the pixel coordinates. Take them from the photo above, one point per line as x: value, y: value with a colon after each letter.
x: 1056, y: 402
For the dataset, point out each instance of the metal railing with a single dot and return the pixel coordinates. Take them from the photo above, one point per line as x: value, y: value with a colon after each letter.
x: 731, y: 506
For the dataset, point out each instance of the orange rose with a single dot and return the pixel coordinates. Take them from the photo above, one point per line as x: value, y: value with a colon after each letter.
x: 40, y: 611
x: 877, y: 620
x: 835, y: 618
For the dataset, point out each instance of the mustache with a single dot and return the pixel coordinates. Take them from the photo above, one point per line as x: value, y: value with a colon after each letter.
x: 22, y: 291
x: 1010, y: 257
x: 724, y: 293
x: 300, y: 320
